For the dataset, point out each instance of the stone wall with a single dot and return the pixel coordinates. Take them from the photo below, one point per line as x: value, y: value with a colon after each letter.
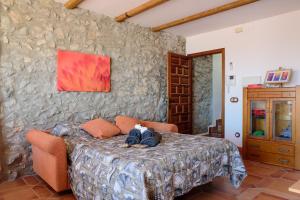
x: 202, y: 93
x: 31, y: 33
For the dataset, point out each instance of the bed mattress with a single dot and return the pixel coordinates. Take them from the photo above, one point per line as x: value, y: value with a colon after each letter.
x: 103, y: 169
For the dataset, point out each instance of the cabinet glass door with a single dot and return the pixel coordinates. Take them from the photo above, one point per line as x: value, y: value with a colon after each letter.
x: 282, y: 127
x: 258, y: 119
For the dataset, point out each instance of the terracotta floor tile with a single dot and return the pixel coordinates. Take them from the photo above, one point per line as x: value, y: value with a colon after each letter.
x: 223, y: 184
x: 224, y: 195
x: 264, y: 196
x: 210, y: 196
x: 12, y: 186
x: 38, y: 178
x: 251, y: 181
x: 23, y: 194
x: 42, y: 191
x: 264, y: 182
x: 30, y: 180
x: 261, y: 170
x: 278, y: 173
x: 292, y: 175
x: 61, y: 194
x: 63, y: 197
x: 249, y: 194
x: 282, y: 185
x: 202, y: 196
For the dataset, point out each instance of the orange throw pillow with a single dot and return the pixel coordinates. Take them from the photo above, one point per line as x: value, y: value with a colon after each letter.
x: 100, y: 128
x: 126, y: 123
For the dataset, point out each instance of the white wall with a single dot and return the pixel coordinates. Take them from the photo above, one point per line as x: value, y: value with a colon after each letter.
x: 263, y: 45
x: 216, y: 105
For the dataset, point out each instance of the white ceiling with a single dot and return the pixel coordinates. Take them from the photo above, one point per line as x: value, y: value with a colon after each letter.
x: 175, y: 9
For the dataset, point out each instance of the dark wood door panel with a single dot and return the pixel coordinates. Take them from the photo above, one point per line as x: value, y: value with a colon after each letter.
x: 180, y: 92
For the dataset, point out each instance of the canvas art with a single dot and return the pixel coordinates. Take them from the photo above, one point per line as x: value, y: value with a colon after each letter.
x: 278, y: 76
x: 270, y: 76
x: 82, y: 72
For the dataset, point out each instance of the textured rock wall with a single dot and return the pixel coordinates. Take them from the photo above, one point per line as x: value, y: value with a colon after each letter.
x: 202, y: 93
x: 32, y: 31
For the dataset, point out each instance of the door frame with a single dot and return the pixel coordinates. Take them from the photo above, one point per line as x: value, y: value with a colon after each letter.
x: 211, y: 52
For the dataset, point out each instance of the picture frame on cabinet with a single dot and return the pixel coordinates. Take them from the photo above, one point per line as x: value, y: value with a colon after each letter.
x: 278, y: 76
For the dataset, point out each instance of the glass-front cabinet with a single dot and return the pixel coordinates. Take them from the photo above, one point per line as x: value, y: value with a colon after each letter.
x: 271, y: 125
x: 282, y: 120
x: 271, y: 119
x: 259, y: 118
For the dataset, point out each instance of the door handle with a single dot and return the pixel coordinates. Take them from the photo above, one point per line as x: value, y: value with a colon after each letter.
x: 283, y: 150
x: 283, y: 161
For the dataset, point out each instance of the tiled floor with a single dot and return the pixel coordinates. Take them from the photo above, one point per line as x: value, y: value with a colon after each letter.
x: 30, y: 187
x: 264, y: 182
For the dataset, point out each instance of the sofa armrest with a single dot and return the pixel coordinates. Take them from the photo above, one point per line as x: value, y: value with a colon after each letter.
x: 46, y: 142
x: 49, y: 155
x: 160, y: 126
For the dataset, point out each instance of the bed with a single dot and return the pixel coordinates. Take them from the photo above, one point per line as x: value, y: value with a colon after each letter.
x: 104, y: 169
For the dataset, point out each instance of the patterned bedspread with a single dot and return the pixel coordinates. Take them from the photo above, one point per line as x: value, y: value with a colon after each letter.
x: 102, y: 169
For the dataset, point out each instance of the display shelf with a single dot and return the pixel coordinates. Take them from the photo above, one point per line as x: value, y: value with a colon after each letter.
x: 270, y: 124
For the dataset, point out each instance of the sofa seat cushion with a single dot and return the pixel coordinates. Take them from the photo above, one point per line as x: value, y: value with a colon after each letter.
x: 126, y: 123
x: 100, y: 128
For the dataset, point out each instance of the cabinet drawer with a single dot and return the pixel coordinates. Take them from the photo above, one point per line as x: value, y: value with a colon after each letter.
x: 255, y: 145
x: 254, y: 155
x: 282, y: 149
x: 271, y: 158
x: 270, y: 147
x: 281, y: 160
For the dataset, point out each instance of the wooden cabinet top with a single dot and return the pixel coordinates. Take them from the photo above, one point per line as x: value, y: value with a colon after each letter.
x: 283, y: 89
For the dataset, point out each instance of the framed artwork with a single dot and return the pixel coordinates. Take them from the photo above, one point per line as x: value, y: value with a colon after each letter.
x: 82, y: 72
x: 278, y: 76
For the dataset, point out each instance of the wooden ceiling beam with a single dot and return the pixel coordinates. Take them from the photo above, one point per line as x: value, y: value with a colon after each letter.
x: 71, y: 4
x: 203, y: 14
x: 137, y: 10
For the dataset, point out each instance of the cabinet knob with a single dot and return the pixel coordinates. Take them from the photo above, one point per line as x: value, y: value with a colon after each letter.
x: 283, y: 161
x: 283, y: 150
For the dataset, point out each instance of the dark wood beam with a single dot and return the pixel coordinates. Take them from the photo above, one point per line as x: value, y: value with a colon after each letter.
x: 203, y: 14
x: 71, y: 4
x: 137, y: 10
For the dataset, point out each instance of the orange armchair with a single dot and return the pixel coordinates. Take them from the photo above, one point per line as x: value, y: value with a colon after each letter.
x: 49, y: 155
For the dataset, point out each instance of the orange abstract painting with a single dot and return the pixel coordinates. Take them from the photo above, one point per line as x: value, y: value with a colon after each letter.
x: 82, y: 72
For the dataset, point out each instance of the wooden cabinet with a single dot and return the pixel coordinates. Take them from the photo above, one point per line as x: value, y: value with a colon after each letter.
x: 271, y: 126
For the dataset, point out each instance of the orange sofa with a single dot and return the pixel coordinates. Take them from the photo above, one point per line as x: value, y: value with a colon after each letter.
x: 49, y: 156
x: 49, y: 152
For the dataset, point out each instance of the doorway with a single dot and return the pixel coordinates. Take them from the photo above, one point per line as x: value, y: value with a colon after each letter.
x: 208, y: 92
x: 181, y: 97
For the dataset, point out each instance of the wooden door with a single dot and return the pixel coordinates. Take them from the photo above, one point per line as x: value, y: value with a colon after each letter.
x: 180, y: 92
